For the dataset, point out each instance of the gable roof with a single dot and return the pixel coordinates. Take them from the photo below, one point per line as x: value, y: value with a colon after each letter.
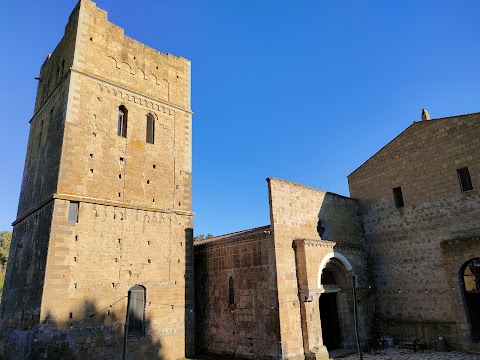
x: 419, y: 124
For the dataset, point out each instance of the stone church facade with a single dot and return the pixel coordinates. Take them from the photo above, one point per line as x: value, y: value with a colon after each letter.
x: 285, y: 290
x: 410, y: 233
x: 104, y: 217
x: 419, y: 202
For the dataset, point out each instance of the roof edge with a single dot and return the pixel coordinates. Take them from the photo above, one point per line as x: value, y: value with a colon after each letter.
x: 415, y: 123
x: 236, y: 235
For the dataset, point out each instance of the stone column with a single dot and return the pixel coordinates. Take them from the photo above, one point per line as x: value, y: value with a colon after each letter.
x: 311, y: 325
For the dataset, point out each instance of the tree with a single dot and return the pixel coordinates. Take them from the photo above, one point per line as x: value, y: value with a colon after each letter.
x: 203, y: 237
x: 5, y: 240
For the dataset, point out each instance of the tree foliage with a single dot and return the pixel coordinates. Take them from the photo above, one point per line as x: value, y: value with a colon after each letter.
x: 203, y: 237
x: 5, y: 240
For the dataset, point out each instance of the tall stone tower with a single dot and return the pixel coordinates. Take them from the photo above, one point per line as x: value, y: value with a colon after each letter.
x: 105, y: 204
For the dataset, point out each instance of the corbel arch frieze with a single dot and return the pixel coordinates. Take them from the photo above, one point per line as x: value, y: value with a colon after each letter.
x: 163, y: 83
x: 137, y: 99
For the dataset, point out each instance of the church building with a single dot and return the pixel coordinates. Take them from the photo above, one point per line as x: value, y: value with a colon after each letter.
x: 102, y: 263
x: 409, y: 234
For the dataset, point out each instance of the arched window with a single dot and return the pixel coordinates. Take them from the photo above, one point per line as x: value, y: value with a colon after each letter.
x: 150, y: 129
x: 471, y: 286
x: 122, y: 121
x: 231, y: 291
x: 136, y: 310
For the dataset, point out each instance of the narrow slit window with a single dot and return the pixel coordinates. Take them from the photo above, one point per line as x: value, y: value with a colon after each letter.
x: 231, y: 291
x: 122, y: 121
x: 73, y: 212
x: 398, y: 197
x: 465, y: 180
x: 150, y: 129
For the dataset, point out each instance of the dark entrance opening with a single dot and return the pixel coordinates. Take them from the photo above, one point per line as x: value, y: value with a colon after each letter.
x: 329, y: 319
x: 471, y: 288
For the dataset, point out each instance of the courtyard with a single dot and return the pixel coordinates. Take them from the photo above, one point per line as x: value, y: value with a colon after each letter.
x: 394, y: 353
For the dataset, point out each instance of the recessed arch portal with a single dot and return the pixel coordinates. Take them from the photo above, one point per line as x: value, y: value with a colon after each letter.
x: 335, y: 284
x: 470, y: 279
x: 326, y: 259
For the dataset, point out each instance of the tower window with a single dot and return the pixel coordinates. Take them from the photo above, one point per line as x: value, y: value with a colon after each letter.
x: 122, y: 121
x: 465, y: 180
x: 136, y: 310
x: 73, y: 212
x: 150, y: 129
x: 398, y: 197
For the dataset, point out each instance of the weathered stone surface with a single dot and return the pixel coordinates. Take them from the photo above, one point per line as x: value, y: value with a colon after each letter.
x: 277, y: 272
x: 418, y: 283
x: 134, y: 221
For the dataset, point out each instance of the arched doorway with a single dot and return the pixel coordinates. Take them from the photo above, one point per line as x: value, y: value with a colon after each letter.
x: 335, y: 305
x: 329, y: 312
x: 470, y: 275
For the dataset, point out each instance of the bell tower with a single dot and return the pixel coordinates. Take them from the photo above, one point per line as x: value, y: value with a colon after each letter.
x: 105, y: 204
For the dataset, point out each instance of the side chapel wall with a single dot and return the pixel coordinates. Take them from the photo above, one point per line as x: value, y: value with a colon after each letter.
x: 248, y: 327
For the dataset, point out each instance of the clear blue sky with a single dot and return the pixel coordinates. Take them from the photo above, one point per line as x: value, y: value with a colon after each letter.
x: 301, y: 90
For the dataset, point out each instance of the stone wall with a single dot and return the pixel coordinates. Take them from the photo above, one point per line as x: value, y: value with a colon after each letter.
x: 23, y: 286
x: 247, y: 324
x: 134, y: 224
x: 295, y: 211
x: 455, y: 254
x: 404, y: 243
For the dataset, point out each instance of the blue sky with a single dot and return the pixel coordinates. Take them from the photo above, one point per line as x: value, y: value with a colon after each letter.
x: 300, y: 90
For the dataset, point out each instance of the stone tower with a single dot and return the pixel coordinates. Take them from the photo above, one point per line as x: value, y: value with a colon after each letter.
x: 105, y: 203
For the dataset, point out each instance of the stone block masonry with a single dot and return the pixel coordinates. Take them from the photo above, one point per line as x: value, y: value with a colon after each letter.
x: 259, y: 292
x: 419, y: 290
x: 104, y: 208
x: 236, y: 295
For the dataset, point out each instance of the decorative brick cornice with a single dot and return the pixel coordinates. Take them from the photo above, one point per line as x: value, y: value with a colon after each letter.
x: 312, y: 242
x: 132, y: 95
x: 463, y: 241
x: 85, y: 199
x: 328, y: 243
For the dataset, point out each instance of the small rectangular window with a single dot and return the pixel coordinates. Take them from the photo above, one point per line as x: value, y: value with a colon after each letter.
x: 150, y: 129
x: 398, y: 197
x: 465, y: 180
x: 73, y: 212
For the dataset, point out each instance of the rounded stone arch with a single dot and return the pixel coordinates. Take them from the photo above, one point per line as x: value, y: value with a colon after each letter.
x: 469, y: 280
x: 326, y: 259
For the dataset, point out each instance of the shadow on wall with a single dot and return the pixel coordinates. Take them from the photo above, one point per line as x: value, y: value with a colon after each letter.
x: 97, y: 333
x: 189, y: 295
